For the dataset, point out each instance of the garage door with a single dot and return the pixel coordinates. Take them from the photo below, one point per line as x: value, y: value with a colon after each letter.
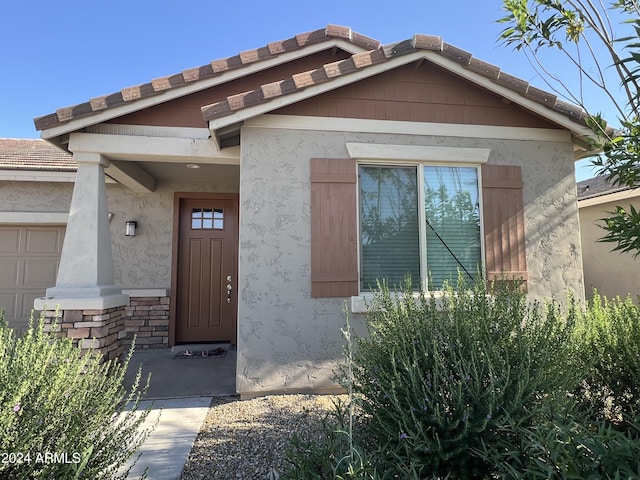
x: 29, y: 258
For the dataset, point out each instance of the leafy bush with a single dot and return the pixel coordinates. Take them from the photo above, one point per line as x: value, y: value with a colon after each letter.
x: 607, y: 338
x: 470, y: 385
x: 63, y: 413
x: 565, y: 444
x: 336, y: 454
x: 439, y: 377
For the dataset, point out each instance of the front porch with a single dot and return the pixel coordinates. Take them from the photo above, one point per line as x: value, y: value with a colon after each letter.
x: 112, y: 287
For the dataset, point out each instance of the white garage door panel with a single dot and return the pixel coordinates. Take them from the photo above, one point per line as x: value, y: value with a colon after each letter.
x: 42, y: 240
x: 29, y: 260
x: 40, y: 273
x: 9, y: 240
x: 8, y: 304
x: 9, y: 273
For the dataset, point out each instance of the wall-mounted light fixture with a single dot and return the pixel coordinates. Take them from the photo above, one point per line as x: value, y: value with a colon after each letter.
x: 130, y: 228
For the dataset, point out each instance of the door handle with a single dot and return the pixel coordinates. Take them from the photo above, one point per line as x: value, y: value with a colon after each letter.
x: 229, y: 288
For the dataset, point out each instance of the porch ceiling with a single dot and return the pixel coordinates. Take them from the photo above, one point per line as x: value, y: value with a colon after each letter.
x: 179, y: 172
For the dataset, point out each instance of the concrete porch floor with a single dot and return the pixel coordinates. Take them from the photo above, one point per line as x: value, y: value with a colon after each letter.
x: 184, y: 377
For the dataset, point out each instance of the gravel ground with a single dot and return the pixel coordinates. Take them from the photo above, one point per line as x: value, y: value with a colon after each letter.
x: 248, y: 439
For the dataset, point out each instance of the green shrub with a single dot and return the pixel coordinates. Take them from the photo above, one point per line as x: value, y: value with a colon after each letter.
x: 607, y: 338
x: 472, y: 385
x: 439, y: 377
x: 63, y: 413
x: 565, y: 444
x: 337, y: 454
x: 334, y: 455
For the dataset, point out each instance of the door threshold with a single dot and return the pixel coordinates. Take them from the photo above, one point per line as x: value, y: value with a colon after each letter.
x: 200, y: 346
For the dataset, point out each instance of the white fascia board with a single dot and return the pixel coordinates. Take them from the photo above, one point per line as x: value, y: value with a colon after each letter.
x: 611, y: 197
x: 197, y: 86
x: 155, y: 149
x: 374, y: 151
x: 295, y: 122
x: 37, y: 176
x: 39, y: 218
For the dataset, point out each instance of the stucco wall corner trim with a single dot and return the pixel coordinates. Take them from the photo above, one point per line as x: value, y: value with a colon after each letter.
x: 374, y: 151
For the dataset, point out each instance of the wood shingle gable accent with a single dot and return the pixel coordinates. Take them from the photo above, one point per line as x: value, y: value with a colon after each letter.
x: 503, y: 212
x: 334, y: 228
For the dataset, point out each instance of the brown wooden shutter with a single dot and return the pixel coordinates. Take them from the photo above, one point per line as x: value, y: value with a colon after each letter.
x: 503, y: 210
x: 334, y: 232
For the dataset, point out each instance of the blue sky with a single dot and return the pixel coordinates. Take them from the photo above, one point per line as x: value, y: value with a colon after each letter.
x: 64, y: 52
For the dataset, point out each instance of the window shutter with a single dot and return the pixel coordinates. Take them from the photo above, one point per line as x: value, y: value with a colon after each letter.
x: 334, y: 232
x: 503, y: 210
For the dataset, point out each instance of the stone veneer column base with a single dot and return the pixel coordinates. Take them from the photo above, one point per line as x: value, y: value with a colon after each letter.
x: 99, y: 330
x: 147, y: 318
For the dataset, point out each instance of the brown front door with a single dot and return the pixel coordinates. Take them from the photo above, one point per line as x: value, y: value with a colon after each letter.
x: 207, y: 298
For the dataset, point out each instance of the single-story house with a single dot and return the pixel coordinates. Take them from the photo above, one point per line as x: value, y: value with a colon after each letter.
x: 610, y: 273
x: 250, y: 199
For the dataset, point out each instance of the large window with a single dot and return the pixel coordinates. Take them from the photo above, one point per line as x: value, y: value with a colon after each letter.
x: 420, y: 220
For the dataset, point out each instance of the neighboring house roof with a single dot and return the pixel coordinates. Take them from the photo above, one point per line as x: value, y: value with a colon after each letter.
x: 596, y: 187
x: 598, y: 190
x: 365, y: 54
x: 30, y: 154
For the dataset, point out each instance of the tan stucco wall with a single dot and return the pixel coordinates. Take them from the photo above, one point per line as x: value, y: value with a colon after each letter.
x: 289, y: 341
x: 143, y: 261
x: 35, y: 196
x: 610, y: 273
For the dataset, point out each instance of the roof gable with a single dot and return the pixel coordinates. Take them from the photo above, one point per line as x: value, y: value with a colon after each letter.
x: 199, y: 78
x: 421, y: 92
x: 185, y: 111
x: 365, y: 64
x: 367, y: 58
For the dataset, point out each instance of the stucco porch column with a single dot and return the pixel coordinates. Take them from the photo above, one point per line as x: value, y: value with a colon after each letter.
x: 85, y: 276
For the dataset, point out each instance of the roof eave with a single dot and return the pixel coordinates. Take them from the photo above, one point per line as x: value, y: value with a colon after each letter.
x: 579, y: 132
x: 161, y: 97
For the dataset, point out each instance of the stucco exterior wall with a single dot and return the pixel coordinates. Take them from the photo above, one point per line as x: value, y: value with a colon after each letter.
x: 289, y: 341
x: 143, y: 261
x: 610, y: 273
x: 35, y: 196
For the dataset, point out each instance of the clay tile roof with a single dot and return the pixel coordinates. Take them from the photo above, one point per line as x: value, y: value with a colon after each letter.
x: 216, y: 67
x: 374, y: 54
x: 19, y: 154
x: 381, y: 54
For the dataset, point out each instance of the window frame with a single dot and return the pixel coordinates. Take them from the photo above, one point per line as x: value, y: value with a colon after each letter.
x: 422, y: 231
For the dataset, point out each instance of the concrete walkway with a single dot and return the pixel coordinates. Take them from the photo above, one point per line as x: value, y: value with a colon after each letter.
x: 165, y: 452
x: 180, y: 391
